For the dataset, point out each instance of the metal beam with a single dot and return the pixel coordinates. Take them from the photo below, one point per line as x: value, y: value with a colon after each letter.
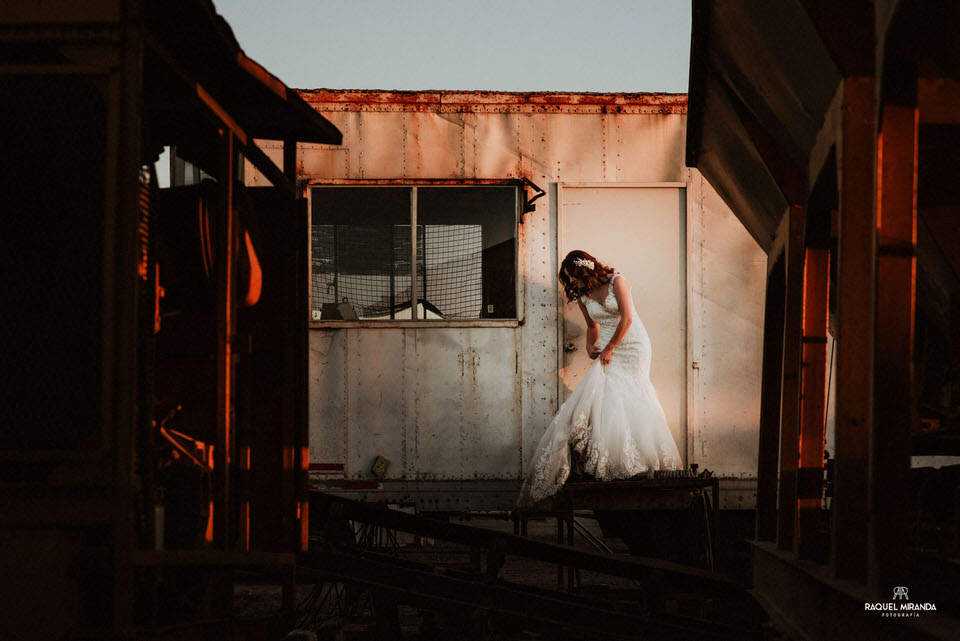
x: 770, y: 388
x: 226, y: 322
x: 790, y: 395
x: 421, y: 585
x: 673, y: 575
x: 848, y: 31
x: 894, y: 397
x: 123, y: 377
x: 414, y: 290
x: 261, y: 161
x: 856, y: 277
x: 816, y: 288
x: 779, y: 162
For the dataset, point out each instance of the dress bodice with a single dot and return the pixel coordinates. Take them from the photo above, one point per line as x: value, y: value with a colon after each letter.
x: 633, y: 352
x: 607, y: 313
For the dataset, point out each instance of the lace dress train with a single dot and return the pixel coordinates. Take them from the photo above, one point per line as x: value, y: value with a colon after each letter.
x: 613, y: 420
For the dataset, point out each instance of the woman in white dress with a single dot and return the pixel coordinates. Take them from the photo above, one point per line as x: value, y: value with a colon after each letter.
x: 612, y: 426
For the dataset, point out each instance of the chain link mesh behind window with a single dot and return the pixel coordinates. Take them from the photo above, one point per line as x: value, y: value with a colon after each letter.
x: 361, y: 252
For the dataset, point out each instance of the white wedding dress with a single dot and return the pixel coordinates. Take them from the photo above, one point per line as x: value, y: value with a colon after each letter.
x: 613, y: 419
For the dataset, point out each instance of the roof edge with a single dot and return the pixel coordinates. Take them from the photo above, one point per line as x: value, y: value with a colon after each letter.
x: 380, y: 96
x: 697, y: 84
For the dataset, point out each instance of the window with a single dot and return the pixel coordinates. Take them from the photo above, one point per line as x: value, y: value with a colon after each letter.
x: 465, y: 255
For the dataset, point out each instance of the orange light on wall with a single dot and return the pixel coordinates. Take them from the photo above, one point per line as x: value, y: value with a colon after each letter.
x: 255, y: 284
x: 246, y: 530
x: 303, y: 515
x: 208, y: 534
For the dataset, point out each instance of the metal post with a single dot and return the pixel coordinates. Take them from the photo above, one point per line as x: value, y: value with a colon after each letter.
x: 559, y: 542
x: 423, y: 282
x: 336, y: 263
x: 121, y: 366
x: 414, y: 294
x: 226, y: 309
x: 816, y: 287
x: 298, y: 344
x: 856, y: 275
x: 393, y: 279
x: 790, y: 400
x: 771, y: 380
x: 889, y: 493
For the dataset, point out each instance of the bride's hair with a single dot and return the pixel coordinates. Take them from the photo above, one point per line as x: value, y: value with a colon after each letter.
x: 580, y: 272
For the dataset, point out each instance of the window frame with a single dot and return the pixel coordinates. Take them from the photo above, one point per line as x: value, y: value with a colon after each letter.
x: 519, y: 200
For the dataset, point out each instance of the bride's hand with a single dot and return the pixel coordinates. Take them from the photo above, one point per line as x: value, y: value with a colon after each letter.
x: 593, y: 351
x: 605, y: 356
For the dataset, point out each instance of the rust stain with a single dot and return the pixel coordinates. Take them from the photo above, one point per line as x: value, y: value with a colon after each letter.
x: 418, y: 181
x: 370, y: 96
x: 495, y: 101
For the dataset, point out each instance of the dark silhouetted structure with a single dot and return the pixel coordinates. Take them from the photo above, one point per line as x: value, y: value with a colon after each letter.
x: 154, y: 374
x: 831, y: 129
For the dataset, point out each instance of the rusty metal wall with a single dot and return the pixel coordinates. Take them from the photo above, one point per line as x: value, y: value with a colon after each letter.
x: 470, y: 403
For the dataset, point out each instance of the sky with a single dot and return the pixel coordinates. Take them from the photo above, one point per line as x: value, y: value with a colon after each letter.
x: 517, y: 45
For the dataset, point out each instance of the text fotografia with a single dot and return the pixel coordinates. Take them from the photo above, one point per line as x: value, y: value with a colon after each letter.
x: 901, y: 606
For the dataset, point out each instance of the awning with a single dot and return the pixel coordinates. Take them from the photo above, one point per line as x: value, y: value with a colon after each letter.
x: 761, y: 80
x: 201, y: 42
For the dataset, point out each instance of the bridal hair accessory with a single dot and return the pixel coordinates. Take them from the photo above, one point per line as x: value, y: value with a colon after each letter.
x: 584, y: 262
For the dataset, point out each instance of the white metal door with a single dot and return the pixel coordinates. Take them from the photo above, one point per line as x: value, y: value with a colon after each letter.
x: 639, y: 231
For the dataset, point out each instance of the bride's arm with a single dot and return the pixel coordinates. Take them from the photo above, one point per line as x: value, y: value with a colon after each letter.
x: 622, y: 292
x: 593, y: 332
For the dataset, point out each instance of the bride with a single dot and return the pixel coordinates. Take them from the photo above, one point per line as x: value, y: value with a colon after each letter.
x: 612, y: 425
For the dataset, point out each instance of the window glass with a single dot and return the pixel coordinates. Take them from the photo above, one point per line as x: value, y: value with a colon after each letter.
x: 360, y: 253
x: 469, y: 262
x: 466, y: 256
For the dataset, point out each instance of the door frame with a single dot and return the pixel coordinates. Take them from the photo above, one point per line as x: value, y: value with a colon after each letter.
x: 561, y: 251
